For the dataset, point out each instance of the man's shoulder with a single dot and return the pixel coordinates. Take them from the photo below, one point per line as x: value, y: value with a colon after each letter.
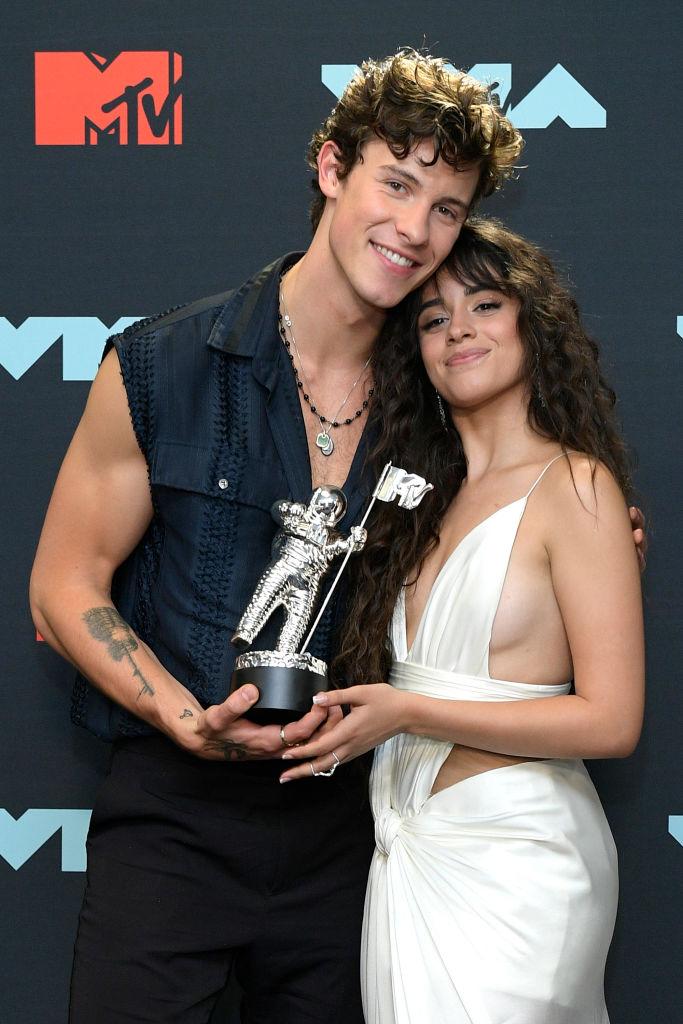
x: 187, y: 314
x: 203, y: 318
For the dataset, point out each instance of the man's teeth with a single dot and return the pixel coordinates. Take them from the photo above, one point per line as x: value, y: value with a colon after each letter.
x: 400, y: 261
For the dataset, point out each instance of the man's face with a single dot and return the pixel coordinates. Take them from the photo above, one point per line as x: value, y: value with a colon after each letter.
x: 394, y: 221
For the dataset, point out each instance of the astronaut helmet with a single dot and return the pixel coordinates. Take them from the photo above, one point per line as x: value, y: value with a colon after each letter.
x: 329, y: 504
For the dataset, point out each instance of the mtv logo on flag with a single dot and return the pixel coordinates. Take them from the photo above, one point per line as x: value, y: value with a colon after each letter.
x: 131, y: 99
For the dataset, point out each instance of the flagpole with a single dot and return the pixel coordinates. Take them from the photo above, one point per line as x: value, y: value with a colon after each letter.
x: 348, y: 554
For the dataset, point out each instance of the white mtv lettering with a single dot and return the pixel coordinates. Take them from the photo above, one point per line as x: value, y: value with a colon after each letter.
x: 20, y: 838
x: 83, y: 339
x: 409, y: 488
x: 558, y: 94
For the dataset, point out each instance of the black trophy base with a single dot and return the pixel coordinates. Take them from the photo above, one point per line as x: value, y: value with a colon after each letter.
x: 286, y: 692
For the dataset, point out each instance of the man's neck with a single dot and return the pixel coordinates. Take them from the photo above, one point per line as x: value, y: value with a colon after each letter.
x: 333, y: 327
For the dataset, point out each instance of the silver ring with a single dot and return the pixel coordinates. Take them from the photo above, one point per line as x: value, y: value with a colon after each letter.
x: 284, y: 741
x: 330, y: 771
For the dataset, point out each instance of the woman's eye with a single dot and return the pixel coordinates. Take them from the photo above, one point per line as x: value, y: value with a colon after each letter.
x: 437, y: 321
x: 487, y: 306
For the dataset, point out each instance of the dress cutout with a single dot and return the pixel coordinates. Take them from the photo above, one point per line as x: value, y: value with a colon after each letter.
x: 492, y: 901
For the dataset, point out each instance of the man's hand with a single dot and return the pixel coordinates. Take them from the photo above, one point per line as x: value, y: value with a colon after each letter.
x: 220, y: 733
x: 639, y: 536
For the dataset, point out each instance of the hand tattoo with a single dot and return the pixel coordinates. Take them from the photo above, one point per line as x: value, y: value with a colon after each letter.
x: 186, y: 713
x: 106, y: 624
x: 230, y: 750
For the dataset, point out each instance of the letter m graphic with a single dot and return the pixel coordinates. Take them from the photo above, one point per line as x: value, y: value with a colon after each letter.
x: 130, y: 99
x: 557, y: 95
x: 676, y: 827
x: 21, y: 837
x: 83, y: 339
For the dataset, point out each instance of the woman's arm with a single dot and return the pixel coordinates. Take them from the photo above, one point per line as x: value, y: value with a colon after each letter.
x: 596, y: 581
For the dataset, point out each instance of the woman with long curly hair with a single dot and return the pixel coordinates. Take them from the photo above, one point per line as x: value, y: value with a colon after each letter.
x: 492, y: 894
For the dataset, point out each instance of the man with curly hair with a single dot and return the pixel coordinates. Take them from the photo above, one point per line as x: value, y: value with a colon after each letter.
x: 158, y: 529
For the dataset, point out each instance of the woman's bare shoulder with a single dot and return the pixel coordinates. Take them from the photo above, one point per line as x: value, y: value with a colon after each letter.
x: 580, y: 491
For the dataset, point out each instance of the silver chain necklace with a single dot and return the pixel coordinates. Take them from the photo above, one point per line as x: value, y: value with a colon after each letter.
x: 323, y: 439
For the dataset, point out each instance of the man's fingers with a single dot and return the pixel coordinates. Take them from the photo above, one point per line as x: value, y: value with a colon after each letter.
x: 224, y: 724
x: 220, y: 716
x: 297, y: 732
x: 334, y: 717
x: 320, y: 746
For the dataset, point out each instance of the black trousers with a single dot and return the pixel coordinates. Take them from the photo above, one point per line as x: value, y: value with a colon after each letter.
x: 196, y: 868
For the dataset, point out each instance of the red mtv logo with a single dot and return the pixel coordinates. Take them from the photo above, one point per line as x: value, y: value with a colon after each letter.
x: 131, y: 99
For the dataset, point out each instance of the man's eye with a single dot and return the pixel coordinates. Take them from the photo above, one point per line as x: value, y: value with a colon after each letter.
x: 486, y: 306
x: 447, y: 212
x: 396, y: 186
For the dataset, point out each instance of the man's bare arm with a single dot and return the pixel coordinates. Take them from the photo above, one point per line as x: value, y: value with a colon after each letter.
x: 100, y: 509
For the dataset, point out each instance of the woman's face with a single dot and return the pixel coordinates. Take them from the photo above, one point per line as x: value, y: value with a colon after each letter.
x: 469, y: 342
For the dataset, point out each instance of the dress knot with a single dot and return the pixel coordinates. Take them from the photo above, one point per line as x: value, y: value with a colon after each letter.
x: 387, y: 827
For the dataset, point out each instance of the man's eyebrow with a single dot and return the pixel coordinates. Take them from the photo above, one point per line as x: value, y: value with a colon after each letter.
x: 438, y: 301
x: 400, y: 172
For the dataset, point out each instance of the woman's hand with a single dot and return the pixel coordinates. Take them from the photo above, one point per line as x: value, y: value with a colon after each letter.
x: 378, y: 711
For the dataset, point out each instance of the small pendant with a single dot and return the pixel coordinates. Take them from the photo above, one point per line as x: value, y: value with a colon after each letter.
x: 325, y: 442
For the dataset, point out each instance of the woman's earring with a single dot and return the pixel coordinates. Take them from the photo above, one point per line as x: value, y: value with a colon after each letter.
x: 442, y: 411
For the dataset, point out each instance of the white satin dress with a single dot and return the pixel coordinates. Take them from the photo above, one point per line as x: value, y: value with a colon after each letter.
x: 492, y: 901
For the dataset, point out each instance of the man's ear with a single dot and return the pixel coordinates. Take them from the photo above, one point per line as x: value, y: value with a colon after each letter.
x: 328, y: 170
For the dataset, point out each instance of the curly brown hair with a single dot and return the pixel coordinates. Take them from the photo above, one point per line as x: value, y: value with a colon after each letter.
x: 407, y: 98
x: 569, y: 402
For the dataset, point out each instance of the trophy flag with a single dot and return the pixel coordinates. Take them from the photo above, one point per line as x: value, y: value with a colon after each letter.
x: 393, y: 483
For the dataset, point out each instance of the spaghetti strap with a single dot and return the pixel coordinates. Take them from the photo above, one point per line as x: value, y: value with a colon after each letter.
x: 544, y: 471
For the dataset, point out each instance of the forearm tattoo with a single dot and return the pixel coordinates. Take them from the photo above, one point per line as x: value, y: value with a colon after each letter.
x: 230, y: 750
x: 186, y: 713
x: 105, y: 624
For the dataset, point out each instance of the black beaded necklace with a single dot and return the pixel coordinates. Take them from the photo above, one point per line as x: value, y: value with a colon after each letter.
x: 323, y: 439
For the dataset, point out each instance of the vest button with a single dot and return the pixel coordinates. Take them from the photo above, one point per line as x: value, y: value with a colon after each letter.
x: 223, y: 484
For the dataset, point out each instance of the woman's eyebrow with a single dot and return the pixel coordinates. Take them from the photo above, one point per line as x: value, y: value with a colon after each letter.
x: 438, y: 301
x: 474, y: 288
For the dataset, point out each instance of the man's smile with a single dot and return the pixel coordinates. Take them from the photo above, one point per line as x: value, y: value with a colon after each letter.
x: 397, y: 258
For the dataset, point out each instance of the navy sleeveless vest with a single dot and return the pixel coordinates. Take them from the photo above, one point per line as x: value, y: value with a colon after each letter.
x: 216, y: 413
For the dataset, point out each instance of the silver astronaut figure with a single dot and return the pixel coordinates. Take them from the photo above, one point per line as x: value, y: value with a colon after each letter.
x: 303, y: 550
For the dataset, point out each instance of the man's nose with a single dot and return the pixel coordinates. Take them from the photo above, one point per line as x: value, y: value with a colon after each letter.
x: 412, y: 223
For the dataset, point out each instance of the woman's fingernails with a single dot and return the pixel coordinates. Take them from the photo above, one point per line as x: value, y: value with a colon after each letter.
x: 287, y: 757
x: 320, y: 698
x: 285, y: 780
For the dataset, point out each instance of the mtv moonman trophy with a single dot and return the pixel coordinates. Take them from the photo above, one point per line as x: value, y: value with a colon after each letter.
x: 304, y: 549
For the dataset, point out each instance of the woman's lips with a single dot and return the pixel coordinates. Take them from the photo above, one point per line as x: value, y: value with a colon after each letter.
x: 464, y: 358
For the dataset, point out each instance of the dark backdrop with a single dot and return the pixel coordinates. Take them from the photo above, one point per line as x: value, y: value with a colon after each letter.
x: 111, y: 230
